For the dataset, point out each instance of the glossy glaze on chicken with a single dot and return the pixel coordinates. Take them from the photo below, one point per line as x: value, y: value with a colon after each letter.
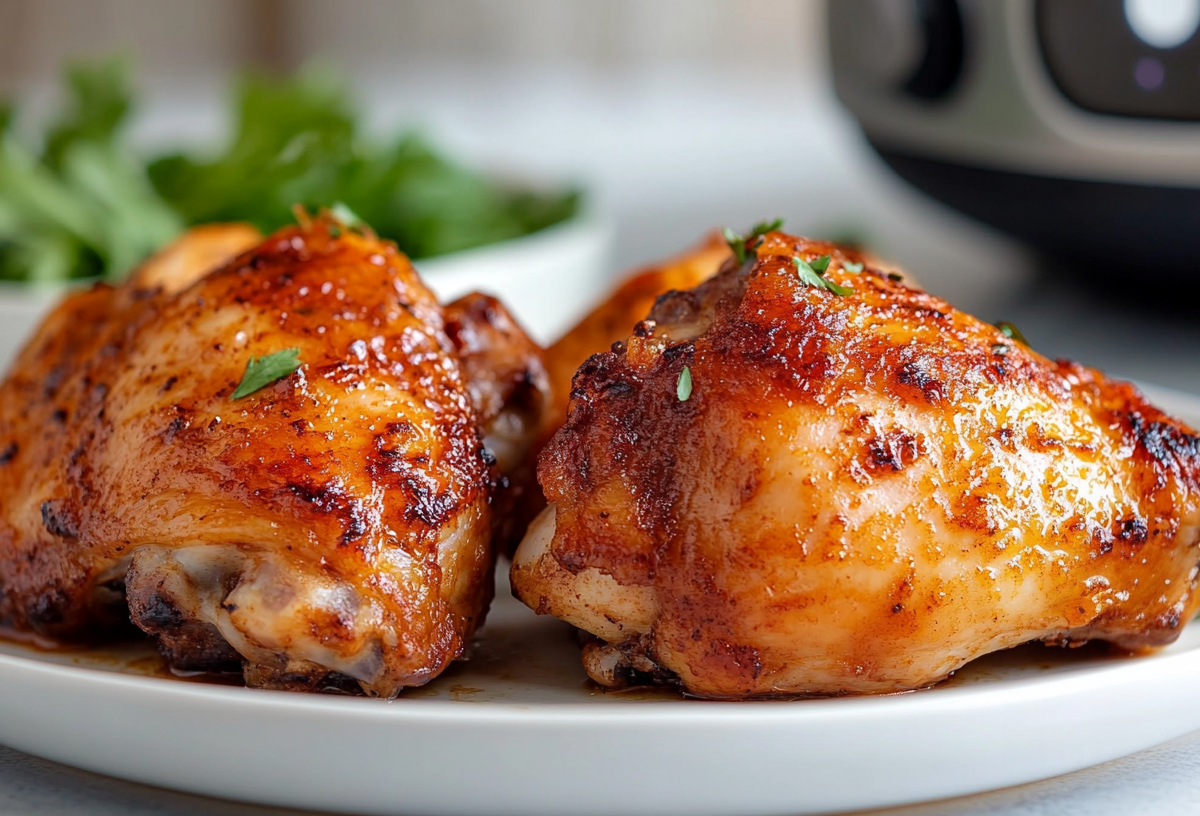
x: 607, y: 323
x: 333, y: 529
x: 860, y: 493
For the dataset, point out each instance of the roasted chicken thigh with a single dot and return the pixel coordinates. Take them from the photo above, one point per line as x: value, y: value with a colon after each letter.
x: 805, y: 477
x: 611, y: 321
x: 332, y: 528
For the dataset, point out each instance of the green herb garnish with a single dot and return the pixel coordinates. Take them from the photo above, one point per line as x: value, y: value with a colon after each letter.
x: 810, y: 276
x: 1012, y: 332
x: 262, y: 371
x: 347, y: 216
x: 683, y: 387
x: 895, y: 276
x: 741, y: 244
x: 763, y: 227
x: 737, y: 243
x: 853, y: 268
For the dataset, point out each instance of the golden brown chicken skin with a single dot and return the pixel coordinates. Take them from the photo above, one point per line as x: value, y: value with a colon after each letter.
x: 192, y: 255
x: 613, y: 319
x: 609, y: 322
x: 332, y: 529
x: 860, y: 493
x: 510, y: 389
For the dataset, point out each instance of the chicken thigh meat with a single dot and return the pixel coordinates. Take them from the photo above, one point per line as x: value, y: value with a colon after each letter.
x: 331, y: 529
x: 799, y: 480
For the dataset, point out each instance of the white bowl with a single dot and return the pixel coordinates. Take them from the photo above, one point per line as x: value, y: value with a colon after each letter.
x: 548, y: 279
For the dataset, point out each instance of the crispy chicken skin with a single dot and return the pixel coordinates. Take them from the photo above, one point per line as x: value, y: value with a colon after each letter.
x: 613, y: 319
x: 860, y: 494
x: 611, y: 322
x: 510, y: 389
x: 608, y: 323
x: 192, y: 255
x: 333, y: 529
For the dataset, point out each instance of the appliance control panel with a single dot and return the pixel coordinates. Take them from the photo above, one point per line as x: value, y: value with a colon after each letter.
x: 1138, y: 58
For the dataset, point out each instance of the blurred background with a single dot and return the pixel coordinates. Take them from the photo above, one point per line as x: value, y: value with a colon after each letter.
x: 674, y: 116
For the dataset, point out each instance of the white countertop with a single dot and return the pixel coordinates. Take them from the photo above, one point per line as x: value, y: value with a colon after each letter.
x: 669, y: 159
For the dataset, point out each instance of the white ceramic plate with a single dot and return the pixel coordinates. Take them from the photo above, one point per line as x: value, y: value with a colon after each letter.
x: 518, y: 730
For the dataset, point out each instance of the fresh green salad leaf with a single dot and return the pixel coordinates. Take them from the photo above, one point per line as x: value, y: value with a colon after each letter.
x: 298, y: 141
x: 82, y: 206
x: 99, y: 101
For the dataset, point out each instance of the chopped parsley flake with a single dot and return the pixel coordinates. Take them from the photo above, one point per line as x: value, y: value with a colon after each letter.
x: 763, y: 227
x: 683, y: 388
x: 1012, y: 332
x: 262, y: 371
x: 736, y: 242
x: 896, y: 276
x: 853, y: 268
x: 741, y: 244
x: 810, y: 276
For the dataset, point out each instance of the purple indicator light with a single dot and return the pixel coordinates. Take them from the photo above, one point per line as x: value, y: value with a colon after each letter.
x: 1149, y: 74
